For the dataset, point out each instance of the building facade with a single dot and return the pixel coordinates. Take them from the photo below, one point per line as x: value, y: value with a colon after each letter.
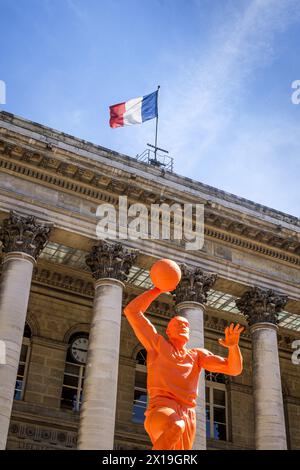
x: 63, y: 290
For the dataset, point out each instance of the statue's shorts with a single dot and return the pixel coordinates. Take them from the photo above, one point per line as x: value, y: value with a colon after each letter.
x: 173, y: 412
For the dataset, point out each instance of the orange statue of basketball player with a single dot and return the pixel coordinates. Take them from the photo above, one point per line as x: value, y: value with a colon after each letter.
x: 173, y: 373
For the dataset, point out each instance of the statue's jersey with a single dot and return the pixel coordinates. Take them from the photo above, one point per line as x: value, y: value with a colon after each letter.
x: 169, y: 374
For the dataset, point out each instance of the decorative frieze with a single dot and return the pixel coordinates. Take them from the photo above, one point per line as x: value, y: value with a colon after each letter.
x: 52, y: 437
x: 194, y: 285
x: 110, y: 260
x: 261, y: 306
x: 23, y: 234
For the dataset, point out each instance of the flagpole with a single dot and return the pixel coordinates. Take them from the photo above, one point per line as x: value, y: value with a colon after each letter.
x: 156, y: 127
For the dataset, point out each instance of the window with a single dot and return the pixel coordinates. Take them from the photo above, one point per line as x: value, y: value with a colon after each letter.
x: 23, y: 364
x: 71, y: 396
x: 216, y: 406
x: 140, y: 388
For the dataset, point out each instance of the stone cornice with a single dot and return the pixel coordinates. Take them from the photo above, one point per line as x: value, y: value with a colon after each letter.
x: 252, y: 245
x: 52, y: 169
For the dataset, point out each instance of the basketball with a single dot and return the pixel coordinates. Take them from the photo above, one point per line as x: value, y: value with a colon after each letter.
x: 165, y: 274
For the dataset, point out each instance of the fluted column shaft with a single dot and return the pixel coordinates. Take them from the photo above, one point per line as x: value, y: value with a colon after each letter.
x: 270, y: 433
x: 261, y: 308
x: 14, y: 293
x: 22, y: 239
x: 110, y: 265
x: 97, y: 417
x: 194, y: 313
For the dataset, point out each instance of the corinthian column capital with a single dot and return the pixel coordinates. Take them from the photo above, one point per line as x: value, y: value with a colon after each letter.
x: 23, y: 234
x: 110, y: 260
x: 260, y: 306
x: 194, y: 285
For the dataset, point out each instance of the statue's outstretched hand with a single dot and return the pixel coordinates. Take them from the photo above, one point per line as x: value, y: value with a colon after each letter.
x: 232, y: 335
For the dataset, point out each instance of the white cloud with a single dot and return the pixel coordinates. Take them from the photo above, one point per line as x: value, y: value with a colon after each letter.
x: 202, y: 103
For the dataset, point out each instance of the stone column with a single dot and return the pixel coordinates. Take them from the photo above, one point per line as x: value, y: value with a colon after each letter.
x: 190, y: 297
x: 22, y: 240
x: 110, y: 265
x: 261, y: 308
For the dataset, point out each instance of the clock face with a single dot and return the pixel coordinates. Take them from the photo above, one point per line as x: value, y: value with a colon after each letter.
x: 78, y: 349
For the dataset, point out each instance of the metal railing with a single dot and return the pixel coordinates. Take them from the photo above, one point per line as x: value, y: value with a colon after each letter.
x: 159, y: 160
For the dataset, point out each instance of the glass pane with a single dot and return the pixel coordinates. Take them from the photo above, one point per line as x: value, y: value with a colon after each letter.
x: 139, y: 406
x: 19, y: 384
x: 68, y: 397
x: 208, y: 413
x: 207, y: 394
x: 70, y: 380
x: 18, y: 395
x: 140, y: 379
x: 23, y: 353
x: 141, y: 357
x: 68, y: 393
x: 18, y: 389
x: 21, y: 370
x: 140, y: 396
x: 27, y: 331
x: 207, y: 375
x: 220, y: 432
x: 219, y: 397
x: 219, y: 415
x: 138, y: 414
x: 207, y: 429
x: 220, y: 378
x: 77, y: 403
x: 72, y: 369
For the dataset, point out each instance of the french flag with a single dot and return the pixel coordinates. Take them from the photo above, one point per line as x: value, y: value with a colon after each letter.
x: 133, y: 111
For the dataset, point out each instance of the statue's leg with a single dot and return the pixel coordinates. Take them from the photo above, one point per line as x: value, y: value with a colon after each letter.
x: 165, y: 428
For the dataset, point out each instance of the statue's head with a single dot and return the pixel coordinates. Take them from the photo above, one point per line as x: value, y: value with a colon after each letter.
x: 178, y: 330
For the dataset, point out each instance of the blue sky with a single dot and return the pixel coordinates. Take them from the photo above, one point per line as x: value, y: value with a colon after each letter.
x: 225, y: 69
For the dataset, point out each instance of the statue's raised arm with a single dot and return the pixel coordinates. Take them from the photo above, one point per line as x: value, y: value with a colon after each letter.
x: 143, y: 328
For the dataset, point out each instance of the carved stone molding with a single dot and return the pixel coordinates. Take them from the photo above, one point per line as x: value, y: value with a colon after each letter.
x: 64, y: 281
x: 293, y: 247
x: 23, y: 234
x: 260, y: 305
x: 194, y: 285
x: 110, y: 260
x: 52, y: 437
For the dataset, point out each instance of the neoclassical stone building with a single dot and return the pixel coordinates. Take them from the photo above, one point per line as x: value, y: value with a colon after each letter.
x: 62, y: 292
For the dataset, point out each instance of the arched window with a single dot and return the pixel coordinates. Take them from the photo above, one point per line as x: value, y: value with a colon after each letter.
x: 71, y: 396
x: 216, y: 406
x: 23, y: 364
x: 140, y: 388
